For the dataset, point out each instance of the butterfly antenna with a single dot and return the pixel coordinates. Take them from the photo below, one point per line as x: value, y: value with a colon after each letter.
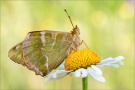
x: 69, y: 17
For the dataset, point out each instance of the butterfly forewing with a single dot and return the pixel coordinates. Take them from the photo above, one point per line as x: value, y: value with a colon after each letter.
x: 45, y: 50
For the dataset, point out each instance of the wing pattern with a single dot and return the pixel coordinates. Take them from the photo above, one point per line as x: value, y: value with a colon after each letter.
x: 42, y: 51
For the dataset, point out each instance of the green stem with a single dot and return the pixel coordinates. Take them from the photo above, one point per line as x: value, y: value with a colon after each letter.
x: 85, y: 83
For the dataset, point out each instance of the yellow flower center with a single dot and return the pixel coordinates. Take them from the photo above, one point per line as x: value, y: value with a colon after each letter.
x: 81, y: 59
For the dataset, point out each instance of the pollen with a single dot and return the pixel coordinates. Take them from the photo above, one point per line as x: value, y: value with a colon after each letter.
x: 81, y: 59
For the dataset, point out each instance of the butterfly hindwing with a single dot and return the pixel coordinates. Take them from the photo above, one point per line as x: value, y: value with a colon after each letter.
x: 16, y: 53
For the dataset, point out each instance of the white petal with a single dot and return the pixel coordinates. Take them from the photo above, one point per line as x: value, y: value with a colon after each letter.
x: 108, y: 60
x: 62, y: 67
x: 84, y: 73
x: 98, y: 71
x: 54, y: 75
x: 77, y: 73
x: 81, y: 72
x: 95, y: 75
x: 62, y: 71
x: 111, y: 60
x: 113, y: 65
x: 100, y: 65
x: 49, y: 79
x: 57, y: 75
x: 51, y: 76
x: 119, y: 58
x: 121, y: 63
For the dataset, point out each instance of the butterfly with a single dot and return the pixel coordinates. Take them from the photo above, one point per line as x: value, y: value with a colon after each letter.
x: 43, y: 51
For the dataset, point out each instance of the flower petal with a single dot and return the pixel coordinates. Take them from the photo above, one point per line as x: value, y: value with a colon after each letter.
x: 81, y: 72
x: 62, y: 71
x: 51, y: 76
x: 108, y: 60
x: 57, y: 75
x: 98, y: 71
x: 119, y: 58
x: 62, y: 67
x: 84, y: 73
x: 77, y: 73
x: 121, y: 63
x: 111, y: 60
x: 113, y: 65
x: 95, y: 75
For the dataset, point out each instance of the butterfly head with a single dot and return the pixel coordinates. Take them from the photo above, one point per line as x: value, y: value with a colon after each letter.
x: 75, y: 31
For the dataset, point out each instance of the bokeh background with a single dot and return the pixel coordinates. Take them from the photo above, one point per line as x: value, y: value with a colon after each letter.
x: 107, y: 26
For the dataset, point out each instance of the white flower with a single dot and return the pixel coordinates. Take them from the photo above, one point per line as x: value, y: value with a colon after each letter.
x: 93, y: 70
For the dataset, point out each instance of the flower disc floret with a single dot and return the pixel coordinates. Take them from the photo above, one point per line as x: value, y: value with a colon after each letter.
x: 81, y: 59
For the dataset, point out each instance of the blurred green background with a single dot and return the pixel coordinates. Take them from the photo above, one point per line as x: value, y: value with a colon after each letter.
x: 106, y: 26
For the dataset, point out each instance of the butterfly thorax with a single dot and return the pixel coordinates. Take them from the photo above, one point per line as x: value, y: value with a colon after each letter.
x: 76, y: 39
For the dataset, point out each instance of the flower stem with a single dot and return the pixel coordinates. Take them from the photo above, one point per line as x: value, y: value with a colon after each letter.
x: 85, y: 83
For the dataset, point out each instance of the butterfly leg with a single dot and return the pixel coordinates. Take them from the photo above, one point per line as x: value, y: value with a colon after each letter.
x: 69, y: 50
x: 84, y: 43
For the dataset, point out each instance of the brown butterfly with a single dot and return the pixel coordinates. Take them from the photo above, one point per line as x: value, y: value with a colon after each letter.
x: 43, y: 51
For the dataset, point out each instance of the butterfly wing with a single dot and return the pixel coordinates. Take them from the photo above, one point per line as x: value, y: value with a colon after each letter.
x: 16, y: 53
x: 45, y: 50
